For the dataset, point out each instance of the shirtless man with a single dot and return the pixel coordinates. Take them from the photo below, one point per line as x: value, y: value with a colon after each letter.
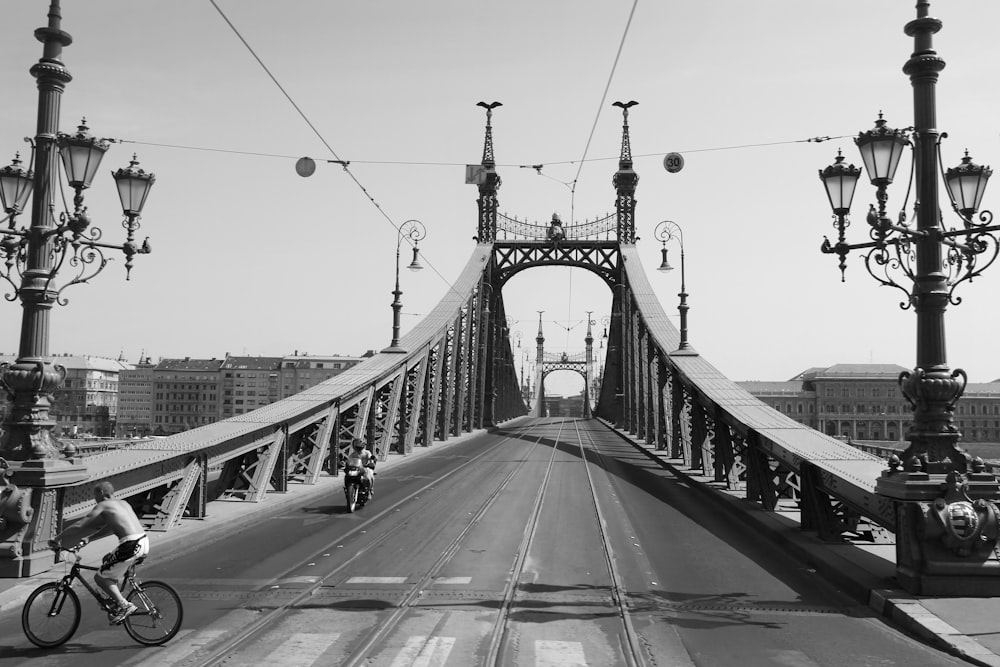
x: 111, y: 516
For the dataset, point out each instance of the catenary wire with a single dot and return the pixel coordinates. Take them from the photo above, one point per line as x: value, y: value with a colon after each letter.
x: 537, y: 166
x: 586, y: 148
x: 323, y: 140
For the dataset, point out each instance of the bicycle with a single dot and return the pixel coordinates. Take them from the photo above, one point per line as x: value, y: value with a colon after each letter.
x: 52, y: 612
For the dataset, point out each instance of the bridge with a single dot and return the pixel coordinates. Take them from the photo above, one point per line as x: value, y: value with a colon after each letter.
x: 455, y: 373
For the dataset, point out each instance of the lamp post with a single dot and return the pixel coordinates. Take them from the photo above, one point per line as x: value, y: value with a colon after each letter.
x: 946, y: 520
x: 415, y: 231
x: 34, y: 256
x: 670, y: 231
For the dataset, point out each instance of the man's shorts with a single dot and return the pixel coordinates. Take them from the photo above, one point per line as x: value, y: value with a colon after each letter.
x: 129, y: 548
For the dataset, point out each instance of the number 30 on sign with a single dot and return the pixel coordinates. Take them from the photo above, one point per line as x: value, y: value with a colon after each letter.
x: 673, y: 162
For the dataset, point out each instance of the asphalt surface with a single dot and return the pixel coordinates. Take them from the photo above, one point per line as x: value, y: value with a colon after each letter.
x: 964, y: 627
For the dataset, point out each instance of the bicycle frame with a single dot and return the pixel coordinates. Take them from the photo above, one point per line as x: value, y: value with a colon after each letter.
x: 106, y: 602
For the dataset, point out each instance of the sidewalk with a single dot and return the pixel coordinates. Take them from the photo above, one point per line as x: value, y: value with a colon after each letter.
x: 968, y: 628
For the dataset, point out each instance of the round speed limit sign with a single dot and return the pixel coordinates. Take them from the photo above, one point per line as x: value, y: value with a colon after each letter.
x: 673, y: 162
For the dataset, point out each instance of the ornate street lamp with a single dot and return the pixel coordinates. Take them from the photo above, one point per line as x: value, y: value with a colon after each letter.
x: 946, y: 518
x: 35, y: 255
x: 671, y: 231
x: 415, y: 231
x: 16, y: 184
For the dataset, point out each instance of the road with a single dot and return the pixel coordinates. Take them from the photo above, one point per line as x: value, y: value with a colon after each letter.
x: 553, y: 543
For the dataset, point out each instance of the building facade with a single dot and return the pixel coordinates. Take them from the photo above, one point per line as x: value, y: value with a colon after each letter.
x: 248, y: 383
x: 299, y: 372
x: 186, y: 394
x: 135, y: 401
x: 108, y: 398
x: 864, y: 402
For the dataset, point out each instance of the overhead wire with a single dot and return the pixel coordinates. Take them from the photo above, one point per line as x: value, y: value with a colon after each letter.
x: 536, y: 166
x: 319, y: 135
x: 590, y: 137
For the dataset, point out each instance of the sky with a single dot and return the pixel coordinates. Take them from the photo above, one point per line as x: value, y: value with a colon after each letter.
x: 250, y: 258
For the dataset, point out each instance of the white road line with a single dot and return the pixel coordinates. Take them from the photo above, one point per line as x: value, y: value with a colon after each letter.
x: 296, y: 580
x: 453, y: 580
x: 422, y: 651
x: 302, y: 649
x: 559, y: 654
x: 376, y: 580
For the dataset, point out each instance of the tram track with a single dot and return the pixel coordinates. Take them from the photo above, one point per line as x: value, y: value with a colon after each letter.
x: 220, y: 653
x: 631, y: 650
x: 498, y: 641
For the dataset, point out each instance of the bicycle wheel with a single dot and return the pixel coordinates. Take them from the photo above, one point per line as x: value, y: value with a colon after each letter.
x: 51, y: 615
x: 159, y: 613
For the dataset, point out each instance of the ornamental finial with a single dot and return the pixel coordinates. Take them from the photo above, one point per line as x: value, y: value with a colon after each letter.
x: 488, y: 160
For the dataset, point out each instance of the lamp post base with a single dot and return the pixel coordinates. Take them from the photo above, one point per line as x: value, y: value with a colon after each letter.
x: 394, y: 349
x: 947, y: 527
x: 32, y: 506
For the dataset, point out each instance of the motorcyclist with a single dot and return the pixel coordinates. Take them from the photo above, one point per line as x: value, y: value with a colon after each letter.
x: 363, y: 458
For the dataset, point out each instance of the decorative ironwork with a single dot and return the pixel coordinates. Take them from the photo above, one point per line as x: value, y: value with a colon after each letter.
x: 600, y: 257
x: 625, y: 181
x: 514, y: 229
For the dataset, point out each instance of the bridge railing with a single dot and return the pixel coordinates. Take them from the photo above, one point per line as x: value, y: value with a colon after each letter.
x: 677, y: 401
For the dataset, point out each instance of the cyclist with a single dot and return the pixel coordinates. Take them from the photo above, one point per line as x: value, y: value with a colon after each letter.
x: 111, y: 516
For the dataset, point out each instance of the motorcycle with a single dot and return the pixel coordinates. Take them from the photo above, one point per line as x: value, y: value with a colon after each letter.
x: 356, y: 487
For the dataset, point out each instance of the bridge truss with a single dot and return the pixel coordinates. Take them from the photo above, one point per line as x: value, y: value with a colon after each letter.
x: 457, y: 374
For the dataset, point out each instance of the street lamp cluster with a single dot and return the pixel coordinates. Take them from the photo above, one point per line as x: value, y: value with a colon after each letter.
x: 33, y: 256
x: 81, y: 155
x: 947, y: 520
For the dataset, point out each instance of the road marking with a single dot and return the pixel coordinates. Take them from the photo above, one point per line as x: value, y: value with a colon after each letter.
x: 185, y: 644
x: 302, y: 649
x: 422, y: 651
x: 559, y: 654
x: 376, y: 580
x: 296, y: 580
x: 453, y: 580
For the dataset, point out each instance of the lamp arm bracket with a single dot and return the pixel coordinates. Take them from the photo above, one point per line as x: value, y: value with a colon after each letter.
x: 829, y: 248
x: 23, y: 233
x: 11, y: 296
x: 886, y: 262
x: 92, y: 255
x: 971, y: 226
x: 979, y: 255
x: 906, y: 231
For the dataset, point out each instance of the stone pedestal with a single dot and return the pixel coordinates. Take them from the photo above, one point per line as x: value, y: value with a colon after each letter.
x: 947, y: 527
x: 24, y: 538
